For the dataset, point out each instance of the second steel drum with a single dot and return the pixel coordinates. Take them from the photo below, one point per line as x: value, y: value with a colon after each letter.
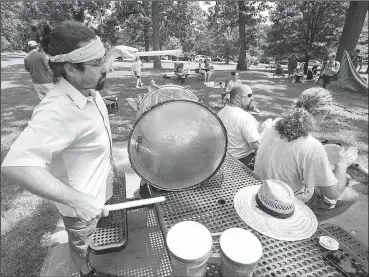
x: 176, y: 144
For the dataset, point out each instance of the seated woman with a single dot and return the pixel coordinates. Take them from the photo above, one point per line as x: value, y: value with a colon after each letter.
x: 178, y: 70
x: 298, y: 75
x: 234, y: 81
x: 207, y: 71
x: 289, y: 153
x: 279, y: 71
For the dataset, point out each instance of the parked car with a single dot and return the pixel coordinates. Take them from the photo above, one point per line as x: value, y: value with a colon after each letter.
x: 181, y: 58
x: 201, y: 58
x: 217, y: 59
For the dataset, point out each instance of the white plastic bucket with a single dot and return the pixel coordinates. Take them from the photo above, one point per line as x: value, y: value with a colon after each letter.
x: 240, y: 252
x: 189, y: 244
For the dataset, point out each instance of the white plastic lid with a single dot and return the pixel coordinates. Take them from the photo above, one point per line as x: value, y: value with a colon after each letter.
x: 241, y: 246
x: 328, y: 243
x: 189, y: 240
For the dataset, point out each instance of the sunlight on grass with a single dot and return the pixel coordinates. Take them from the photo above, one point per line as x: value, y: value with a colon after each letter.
x: 28, y: 221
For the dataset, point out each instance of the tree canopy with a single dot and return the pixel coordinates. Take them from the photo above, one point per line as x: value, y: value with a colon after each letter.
x: 233, y: 30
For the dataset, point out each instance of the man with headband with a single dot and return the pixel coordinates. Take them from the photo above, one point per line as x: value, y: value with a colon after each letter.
x: 64, y: 154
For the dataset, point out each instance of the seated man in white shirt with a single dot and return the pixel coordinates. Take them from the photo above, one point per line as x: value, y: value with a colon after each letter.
x: 64, y: 154
x: 242, y: 127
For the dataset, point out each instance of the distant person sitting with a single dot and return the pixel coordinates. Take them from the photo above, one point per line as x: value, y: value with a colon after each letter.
x: 357, y: 60
x: 207, y: 71
x: 234, y: 81
x: 299, y: 73
x: 279, y: 71
x: 37, y: 65
x: 179, y: 72
x: 242, y: 128
x: 292, y: 64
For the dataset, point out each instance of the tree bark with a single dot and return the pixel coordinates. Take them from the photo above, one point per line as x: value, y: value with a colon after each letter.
x: 156, y: 32
x: 242, y: 62
x: 354, y: 22
x: 306, y: 65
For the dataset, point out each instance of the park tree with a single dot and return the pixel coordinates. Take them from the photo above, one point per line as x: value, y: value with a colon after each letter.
x: 242, y: 16
x: 309, y: 29
x: 10, y: 22
x: 20, y: 20
x: 354, y: 22
x: 156, y: 31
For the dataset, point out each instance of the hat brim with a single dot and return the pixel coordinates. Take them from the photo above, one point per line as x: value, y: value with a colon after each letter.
x: 301, y: 225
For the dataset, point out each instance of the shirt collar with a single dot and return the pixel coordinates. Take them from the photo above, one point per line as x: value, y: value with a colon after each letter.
x: 77, y: 97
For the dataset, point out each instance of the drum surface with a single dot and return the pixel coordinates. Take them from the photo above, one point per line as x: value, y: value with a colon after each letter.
x: 164, y: 93
x: 177, y: 144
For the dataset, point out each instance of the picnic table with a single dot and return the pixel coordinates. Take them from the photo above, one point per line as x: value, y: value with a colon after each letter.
x: 211, y: 204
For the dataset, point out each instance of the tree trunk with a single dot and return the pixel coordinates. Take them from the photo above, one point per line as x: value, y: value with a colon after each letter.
x: 354, y: 22
x: 242, y: 62
x: 156, y: 32
x: 306, y: 65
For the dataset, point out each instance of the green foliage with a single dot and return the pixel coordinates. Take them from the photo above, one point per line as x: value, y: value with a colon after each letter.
x: 363, y: 40
x: 5, y: 44
x: 224, y: 26
x: 306, y: 28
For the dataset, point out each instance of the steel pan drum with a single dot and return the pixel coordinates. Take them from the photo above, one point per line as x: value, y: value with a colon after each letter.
x: 164, y: 93
x: 176, y: 144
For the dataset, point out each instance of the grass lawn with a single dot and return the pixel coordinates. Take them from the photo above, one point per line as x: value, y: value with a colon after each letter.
x: 28, y: 221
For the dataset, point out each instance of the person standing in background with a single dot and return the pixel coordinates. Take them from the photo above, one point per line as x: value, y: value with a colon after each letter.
x: 329, y: 70
x: 136, y: 68
x: 36, y: 64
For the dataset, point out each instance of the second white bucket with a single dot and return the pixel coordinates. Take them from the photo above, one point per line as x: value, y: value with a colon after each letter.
x: 240, y: 252
x: 189, y: 245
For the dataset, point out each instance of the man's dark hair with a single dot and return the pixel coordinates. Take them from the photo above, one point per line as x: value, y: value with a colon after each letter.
x: 63, y: 39
x: 233, y: 73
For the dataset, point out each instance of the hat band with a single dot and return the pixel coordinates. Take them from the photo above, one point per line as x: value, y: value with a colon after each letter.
x: 265, y: 209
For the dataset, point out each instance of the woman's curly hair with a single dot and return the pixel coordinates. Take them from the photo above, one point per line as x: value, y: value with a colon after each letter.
x: 299, y: 123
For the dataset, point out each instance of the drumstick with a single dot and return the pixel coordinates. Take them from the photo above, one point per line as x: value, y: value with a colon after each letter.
x: 136, y: 203
x: 159, y: 53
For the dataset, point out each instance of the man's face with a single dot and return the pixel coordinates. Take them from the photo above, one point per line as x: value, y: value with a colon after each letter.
x: 236, y: 76
x: 331, y: 58
x: 246, y: 99
x: 94, y: 74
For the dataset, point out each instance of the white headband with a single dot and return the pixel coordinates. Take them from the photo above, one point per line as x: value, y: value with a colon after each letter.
x: 92, y: 51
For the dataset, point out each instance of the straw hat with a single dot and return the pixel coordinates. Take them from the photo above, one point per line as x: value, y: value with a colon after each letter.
x: 273, y: 210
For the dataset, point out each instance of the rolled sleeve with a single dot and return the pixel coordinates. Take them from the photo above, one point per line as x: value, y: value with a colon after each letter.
x: 47, y: 134
x: 250, y: 130
x: 317, y: 172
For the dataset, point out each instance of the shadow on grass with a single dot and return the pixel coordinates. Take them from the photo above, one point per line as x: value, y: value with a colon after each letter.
x: 22, y: 250
x: 25, y: 246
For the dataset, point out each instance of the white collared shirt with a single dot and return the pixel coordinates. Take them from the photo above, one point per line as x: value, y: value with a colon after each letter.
x: 68, y: 136
x: 242, y: 129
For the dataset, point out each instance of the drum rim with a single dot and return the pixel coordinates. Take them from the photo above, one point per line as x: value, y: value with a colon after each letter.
x: 163, y: 86
x: 200, y: 103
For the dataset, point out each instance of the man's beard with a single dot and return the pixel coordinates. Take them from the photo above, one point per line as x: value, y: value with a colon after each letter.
x: 249, y: 106
x: 101, y: 82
